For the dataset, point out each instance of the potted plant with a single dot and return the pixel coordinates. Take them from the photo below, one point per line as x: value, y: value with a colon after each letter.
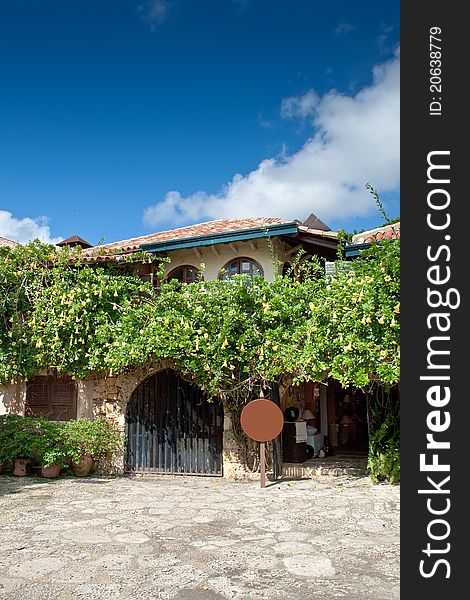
x: 50, y: 449
x: 15, y: 443
x: 88, y: 441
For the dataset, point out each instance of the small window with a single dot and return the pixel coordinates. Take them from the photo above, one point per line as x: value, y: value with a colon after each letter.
x: 242, y: 266
x: 54, y: 398
x: 185, y: 274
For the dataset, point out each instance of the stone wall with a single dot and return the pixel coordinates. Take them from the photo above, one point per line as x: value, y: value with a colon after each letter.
x: 108, y: 397
x: 234, y: 459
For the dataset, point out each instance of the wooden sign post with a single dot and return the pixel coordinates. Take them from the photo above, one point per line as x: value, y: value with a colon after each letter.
x: 262, y: 421
x: 262, y: 463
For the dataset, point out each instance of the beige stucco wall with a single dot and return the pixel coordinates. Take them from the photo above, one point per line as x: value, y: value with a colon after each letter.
x: 12, y: 398
x: 216, y: 257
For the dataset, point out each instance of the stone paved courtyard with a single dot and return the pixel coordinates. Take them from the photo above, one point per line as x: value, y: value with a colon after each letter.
x: 198, y: 539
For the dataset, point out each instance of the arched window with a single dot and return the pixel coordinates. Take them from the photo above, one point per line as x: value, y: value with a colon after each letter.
x: 184, y: 274
x: 242, y: 266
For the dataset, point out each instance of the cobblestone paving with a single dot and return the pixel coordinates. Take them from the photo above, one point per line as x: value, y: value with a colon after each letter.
x: 198, y: 539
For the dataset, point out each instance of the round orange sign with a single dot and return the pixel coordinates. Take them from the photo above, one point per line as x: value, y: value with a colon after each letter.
x: 262, y: 420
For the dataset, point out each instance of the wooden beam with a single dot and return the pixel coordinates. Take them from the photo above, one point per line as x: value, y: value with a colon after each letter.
x: 253, y: 246
x: 293, y: 250
x: 233, y: 247
x: 215, y: 251
x: 197, y: 253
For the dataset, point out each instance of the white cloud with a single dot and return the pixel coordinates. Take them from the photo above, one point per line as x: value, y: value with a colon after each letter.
x: 355, y: 139
x: 26, y: 229
x: 155, y: 12
x: 300, y: 106
x: 344, y: 28
x: 242, y: 4
x: 382, y: 39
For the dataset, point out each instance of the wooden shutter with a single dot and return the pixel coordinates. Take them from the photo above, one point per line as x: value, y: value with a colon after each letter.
x: 51, y: 397
x: 37, y: 397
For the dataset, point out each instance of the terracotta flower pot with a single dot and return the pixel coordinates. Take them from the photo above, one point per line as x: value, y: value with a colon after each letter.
x: 21, y: 467
x: 83, y: 467
x: 51, y: 471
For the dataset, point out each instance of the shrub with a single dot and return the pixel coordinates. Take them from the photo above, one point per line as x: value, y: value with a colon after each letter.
x: 52, y: 442
x: 17, y: 438
x: 384, y: 452
x: 97, y: 438
x: 49, y: 447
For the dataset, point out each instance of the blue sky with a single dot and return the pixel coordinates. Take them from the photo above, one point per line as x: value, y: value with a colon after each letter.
x: 122, y: 117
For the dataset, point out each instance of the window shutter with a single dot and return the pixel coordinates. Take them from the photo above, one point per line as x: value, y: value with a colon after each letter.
x: 51, y: 397
x: 64, y: 400
x: 37, y: 398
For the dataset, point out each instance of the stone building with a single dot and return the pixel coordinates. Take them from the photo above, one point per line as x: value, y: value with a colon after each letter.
x: 170, y: 425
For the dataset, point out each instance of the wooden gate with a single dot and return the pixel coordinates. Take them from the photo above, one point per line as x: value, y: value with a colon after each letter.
x: 172, y: 428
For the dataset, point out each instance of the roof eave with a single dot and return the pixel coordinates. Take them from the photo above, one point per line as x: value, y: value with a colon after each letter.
x: 223, y: 238
x: 355, y: 249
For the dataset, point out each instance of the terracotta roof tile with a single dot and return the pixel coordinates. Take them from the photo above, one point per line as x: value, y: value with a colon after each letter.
x: 75, y: 240
x: 319, y: 232
x: 9, y: 243
x: 201, y: 229
x: 387, y: 232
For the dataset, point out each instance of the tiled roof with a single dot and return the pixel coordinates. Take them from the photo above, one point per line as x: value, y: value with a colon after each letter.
x: 319, y: 232
x: 201, y: 229
x: 75, y: 240
x: 387, y: 232
x: 9, y: 243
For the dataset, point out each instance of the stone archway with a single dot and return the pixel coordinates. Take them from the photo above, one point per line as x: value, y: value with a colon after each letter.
x: 171, y: 427
x: 111, y: 396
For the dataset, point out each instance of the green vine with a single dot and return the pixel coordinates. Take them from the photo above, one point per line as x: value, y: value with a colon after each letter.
x: 229, y: 336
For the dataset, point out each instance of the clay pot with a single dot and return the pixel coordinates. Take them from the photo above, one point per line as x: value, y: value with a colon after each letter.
x: 51, y: 471
x: 83, y: 467
x: 21, y: 467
